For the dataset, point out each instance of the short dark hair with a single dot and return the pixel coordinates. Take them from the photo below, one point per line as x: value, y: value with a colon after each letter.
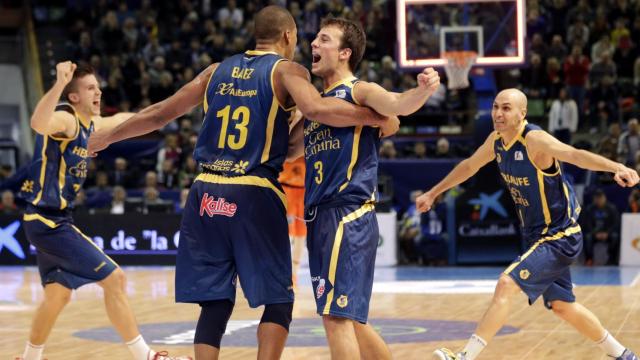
x: 353, y: 37
x: 81, y: 71
x: 270, y: 22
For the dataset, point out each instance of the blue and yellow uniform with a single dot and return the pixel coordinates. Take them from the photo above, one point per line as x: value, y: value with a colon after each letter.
x: 340, y: 191
x: 234, y: 222
x: 56, y: 174
x: 548, y: 210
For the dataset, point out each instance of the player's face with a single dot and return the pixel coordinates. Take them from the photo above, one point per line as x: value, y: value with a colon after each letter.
x: 88, y: 95
x: 325, y: 50
x: 506, y: 113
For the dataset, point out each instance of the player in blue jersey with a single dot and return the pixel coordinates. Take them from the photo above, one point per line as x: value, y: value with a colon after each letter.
x: 340, y: 190
x: 234, y: 224
x: 68, y: 259
x: 529, y: 160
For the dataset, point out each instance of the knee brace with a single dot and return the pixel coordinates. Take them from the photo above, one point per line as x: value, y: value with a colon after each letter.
x: 212, y: 323
x: 278, y: 314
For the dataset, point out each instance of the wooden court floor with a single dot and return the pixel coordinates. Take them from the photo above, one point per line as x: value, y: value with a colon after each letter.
x: 540, y: 334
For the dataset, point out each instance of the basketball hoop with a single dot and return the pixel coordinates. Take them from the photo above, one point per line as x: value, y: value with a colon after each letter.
x: 457, y: 68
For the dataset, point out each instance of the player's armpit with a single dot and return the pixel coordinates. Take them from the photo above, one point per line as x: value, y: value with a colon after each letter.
x: 61, y: 125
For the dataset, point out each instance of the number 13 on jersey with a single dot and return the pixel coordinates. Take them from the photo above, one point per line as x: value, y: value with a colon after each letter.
x: 241, y: 115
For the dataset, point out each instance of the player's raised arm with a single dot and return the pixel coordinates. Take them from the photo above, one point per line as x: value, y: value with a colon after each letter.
x: 155, y: 116
x: 326, y: 110
x: 392, y: 103
x: 539, y: 141
x: 463, y: 171
x: 45, y: 120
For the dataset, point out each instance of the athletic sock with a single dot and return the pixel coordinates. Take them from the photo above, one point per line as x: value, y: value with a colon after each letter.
x: 33, y: 352
x: 139, y: 348
x: 473, y: 348
x: 611, y: 346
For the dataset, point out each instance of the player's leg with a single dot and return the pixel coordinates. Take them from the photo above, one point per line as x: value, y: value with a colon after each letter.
x: 296, y: 254
x: 212, y: 324
x: 274, y: 330
x: 56, y: 297
x: 341, y: 337
x: 370, y: 342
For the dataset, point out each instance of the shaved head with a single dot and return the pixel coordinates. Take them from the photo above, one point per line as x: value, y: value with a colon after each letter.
x: 514, y: 96
x: 271, y: 22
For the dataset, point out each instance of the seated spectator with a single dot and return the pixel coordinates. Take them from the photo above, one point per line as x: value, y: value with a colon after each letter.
x: 151, y: 180
x: 388, y: 150
x: 608, y: 145
x: 171, y: 150
x: 629, y: 143
x: 122, y: 175
x: 117, y: 204
x: 634, y: 201
x: 79, y: 204
x: 409, y: 233
x: 188, y: 173
x: 102, y: 182
x: 179, y: 208
x: 8, y: 205
x: 443, y: 149
x: 600, y: 224
x: 168, y: 175
x: 6, y: 171
x: 419, y: 150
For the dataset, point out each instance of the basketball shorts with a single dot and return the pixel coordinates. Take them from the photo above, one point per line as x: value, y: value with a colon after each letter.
x: 544, y: 268
x: 295, y: 210
x: 64, y: 254
x: 234, y: 227
x: 342, y: 243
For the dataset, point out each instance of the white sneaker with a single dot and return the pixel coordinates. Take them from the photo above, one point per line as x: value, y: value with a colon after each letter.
x: 446, y: 354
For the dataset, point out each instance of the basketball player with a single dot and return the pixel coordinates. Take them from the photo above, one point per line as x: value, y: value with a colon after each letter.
x: 292, y: 180
x: 235, y: 221
x: 530, y: 160
x: 340, y: 190
x: 68, y: 259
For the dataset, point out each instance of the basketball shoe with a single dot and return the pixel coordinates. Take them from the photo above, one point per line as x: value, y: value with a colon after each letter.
x: 627, y: 355
x: 163, y: 355
x: 446, y: 354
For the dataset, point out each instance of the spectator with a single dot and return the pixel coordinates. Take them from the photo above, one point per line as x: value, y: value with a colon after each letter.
x: 624, y: 57
x: 188, y: 173
x: 388, y: 150
x: 443, y: 148
x: 433, y: 245
x: 419, y: 150
x: 6, y: 171
x: 102, y: 182
x: 151, y: 180
x: 122, y: 175
x: 603, y: 97
x: 170, y: 151
x: 578, y: 32
x: 8, y: 205
x: 608, y: 146
x: 634, y: 201
x: 600, y: 47
x: 603, y: 68
x: 119, y: 196
x: 168, y: 175
x: 576, y: 74
x: 179, y: 208
x: 232, y: 14
x: 601, y: 230
x: 79, y: 204
x: 409, y: 233
x: 558, y: 49
x: 563, y: 117
x: 629, y: 143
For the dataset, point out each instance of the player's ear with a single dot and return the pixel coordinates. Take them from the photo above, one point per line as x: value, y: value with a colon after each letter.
x: 345, y: 54
x: 74, y: 97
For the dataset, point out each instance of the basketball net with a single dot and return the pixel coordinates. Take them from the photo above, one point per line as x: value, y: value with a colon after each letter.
x: 457, y: 68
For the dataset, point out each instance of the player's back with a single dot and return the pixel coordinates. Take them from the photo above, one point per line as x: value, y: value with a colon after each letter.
x: 544, y: 199
x: 245, y: 128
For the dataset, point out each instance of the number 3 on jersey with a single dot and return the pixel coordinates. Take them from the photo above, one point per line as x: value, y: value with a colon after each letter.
x: 319, y: 176
x: 241, y: 114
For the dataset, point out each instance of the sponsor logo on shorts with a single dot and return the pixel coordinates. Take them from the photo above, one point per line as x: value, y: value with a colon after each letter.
x: 320, y: 289
x: 524, y: 274
x: 211, y: 206
x: 342, y: 301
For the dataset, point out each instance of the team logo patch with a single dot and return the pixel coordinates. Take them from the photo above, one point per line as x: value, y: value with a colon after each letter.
x: 342, y: 301
x: 211, y: 206
x: 341, y: 94
x: 524, y: 274
x: 519, y: 155
x: 320, y: 289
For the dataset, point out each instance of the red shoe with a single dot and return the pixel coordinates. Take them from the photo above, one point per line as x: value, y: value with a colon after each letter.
x: 163, y: 355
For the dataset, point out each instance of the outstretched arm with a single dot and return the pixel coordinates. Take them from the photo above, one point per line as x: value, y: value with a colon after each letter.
x: 326, y: 110
x: 539, y: 141
x: 463, y: 171
x: 157, y: 115
x: 391, y: 103
x: 108, y: 123
x: 45, y: 120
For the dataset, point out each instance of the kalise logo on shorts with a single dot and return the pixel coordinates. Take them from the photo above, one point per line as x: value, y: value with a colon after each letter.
x: 211, y: 206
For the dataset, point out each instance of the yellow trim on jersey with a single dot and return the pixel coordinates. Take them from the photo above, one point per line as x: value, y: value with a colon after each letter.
x: 543, y: 199
x: 570, y: 231
x: 566, y: 194
x: 259, y: 52
x: 353, y: 93
x: 515, y: 138
x: 347, y: 82
x: 43, y: 169
x: 94, y: 245
x: 242, y: 180
x: 205, y: 102
x: 354, y: 156
x: 44, y: 220
x: 335, y: 251
x: 62, y: 172
x: 273, y: 89
x: 271, y: 120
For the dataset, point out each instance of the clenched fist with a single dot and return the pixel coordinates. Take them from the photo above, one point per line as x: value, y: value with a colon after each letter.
x: 64, y: 72
x: 429, y: 80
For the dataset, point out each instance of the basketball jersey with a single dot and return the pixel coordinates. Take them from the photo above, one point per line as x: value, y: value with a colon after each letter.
x: 341, y: 163
x: 244, y: 127
x: 293, y: 173
x: 58, y: 168
x: 545, y: 201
